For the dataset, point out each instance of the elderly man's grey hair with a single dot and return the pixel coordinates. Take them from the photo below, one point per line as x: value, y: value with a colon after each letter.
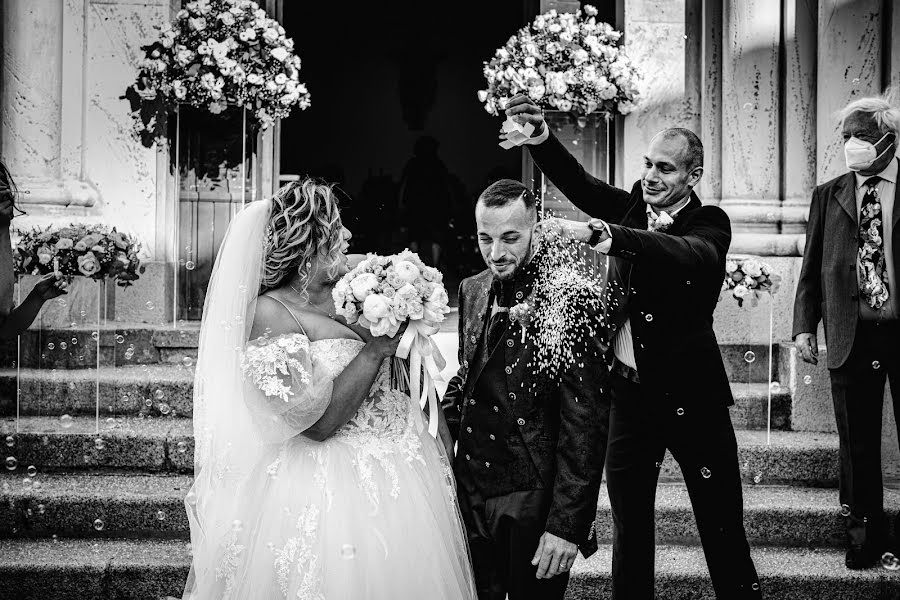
x: 885, y: 110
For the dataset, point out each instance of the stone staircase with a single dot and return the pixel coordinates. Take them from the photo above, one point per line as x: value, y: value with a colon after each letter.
x: 94, y: 506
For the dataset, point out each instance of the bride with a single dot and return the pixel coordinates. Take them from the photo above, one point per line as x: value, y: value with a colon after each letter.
x: 313, y: 478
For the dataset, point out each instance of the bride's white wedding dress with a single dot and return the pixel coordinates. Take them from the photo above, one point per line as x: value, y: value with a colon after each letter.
x: 369, y: 513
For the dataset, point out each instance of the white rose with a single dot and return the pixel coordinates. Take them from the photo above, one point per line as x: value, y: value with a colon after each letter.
x: 741, y: 291
x: 565, y: 37
x: 362, y: 285
x: 227, y: 18
x: 271, y: 86
x: 752, y: 268
x: 564, y: 105
x: 279, y: 53
x: 179, y: 89
x: 730, y: 266
x: 270, y: 35
x: 536, y: 92
x: 581, y: 56
x: 281, y: 78
x: 254, y: 79
x: 529, y: 61
x: 247, y: 34
x: 198, y: 23
x: 376, y: 307
x: 407, y: 271
x: 217, y: 107
x: 482, y: 95
x: 555, y: 28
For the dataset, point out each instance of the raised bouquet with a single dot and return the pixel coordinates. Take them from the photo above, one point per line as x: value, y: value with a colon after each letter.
x: 384, y: 292
x: 213, y: 54
x: 567, y: 62
x: 747, y: 277
x: 94, y: 251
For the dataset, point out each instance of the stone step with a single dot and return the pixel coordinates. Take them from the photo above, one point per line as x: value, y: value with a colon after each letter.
x: 773, y: 515
x: 113, y: 568
x: 94, y: 504
x: 152, y: 505
x: 166, y: 444
x: 120, y: 344
x: 125, y: 391
x: 133, y: 390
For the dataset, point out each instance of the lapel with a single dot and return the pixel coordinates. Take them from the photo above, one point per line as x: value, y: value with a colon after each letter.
x: 476, y: 318
x: 845, y: 192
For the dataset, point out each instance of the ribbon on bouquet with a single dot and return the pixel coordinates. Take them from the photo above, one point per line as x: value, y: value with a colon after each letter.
x: 417, y: 345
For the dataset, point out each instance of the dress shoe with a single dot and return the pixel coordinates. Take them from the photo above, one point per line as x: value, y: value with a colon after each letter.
x: 860, y: 556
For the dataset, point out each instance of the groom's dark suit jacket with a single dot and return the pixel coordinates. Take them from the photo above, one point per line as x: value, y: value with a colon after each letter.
x: 520, y: 430
x: 672, y: 281
x: 828, y: 289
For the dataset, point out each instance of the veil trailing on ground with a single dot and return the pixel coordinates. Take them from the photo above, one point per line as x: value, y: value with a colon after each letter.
x: 227, y: 445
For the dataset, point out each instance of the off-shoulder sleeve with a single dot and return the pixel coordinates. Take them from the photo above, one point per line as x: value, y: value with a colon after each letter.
x: 286, y: 392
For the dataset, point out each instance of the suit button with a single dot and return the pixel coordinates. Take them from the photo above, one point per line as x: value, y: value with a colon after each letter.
x: 508, y: 370
x: 512, y: 396
x: 469, y: 429
x: 680, y: 412
x: 468, y: 457
x: 613, y: 326
x: 521, y: 422
x: 465, y: 364
x: 648, y: 317
x: 510, y: 343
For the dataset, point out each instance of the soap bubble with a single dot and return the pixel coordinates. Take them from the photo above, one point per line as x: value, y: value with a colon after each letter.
x: 758, y: 478
x: 10, y: 441
x: 775, y: 387
x: 99, y: 443
x: 876, y: 365
x: 32, y: 470
x: 749, y: 356
x: 856, y: 81
x: 159, y: 394
x: 160, y: 515
x: 51, y: 346
x: 11, y: 463
x: 807, y: 379
x: 74, y: 341
x: 71, y: 385
x: 748, y: 106
x: 95, y: 335
x: 189, y: 265
x: 99, y: 525
x: 890, y: 562
x: 348, y: 552
x: 61, y: 302
x: 187, y: 361
x: 845, y: 510
x: 41, y: 509
x: 66, y: 421
x: 181, y: 447
x: 120, y: 339
x: 706, y: 473
x: 237, y: 526
x: 148, y: 402
x: 149, y: 305
x: 164, y: 408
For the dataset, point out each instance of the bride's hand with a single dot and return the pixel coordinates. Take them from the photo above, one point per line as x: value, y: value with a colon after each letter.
x: 383, y: 345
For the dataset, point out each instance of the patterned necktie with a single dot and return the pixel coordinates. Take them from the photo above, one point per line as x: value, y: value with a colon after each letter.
x: 873, y: 283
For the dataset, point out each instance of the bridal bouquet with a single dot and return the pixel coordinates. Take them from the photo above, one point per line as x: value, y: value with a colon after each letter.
x: 567, y: 62
x: 213, y: 54
x: 384, y: 292
x: 747, y: 277
x: 93, y: 251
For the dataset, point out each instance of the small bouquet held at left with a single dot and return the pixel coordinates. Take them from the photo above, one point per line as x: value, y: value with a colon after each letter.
x: 93, y: 251
x: 384, y: 292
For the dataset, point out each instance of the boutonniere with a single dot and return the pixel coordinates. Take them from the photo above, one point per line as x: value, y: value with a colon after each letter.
x: 521, y: 313
x: 662, y: 222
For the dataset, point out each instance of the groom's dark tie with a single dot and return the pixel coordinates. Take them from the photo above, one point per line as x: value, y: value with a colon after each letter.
x: 499, y: 315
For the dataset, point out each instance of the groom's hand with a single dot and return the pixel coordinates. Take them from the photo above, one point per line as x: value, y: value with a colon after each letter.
x: 523, y: 110
x: 554, y: 556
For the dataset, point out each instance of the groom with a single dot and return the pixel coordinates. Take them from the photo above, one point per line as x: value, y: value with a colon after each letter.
x: 531, y: 449
x: 669, y: 386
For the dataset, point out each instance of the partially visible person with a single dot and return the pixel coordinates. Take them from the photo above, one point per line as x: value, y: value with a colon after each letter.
x: 14, y: 321
x: 426, y: 200
x: 849, y: 282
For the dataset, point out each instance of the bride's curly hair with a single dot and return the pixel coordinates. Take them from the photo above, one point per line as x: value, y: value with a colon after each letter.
x: 304, y: 222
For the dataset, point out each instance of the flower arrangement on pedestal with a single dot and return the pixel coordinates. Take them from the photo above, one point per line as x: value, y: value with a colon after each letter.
x: 747, y: 277
x: 567, y: 62
x: 217, y: 53
x: 93, y: 251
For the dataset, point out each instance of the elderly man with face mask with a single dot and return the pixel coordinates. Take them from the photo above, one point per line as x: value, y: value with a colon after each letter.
x: 530, y: 445
x: 849, y: 281
x: 669, y: 385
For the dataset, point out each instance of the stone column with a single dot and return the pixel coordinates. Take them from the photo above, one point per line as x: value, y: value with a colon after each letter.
x: 799, y: 161
x: 751, y: 140
x: 31, y: 122
x: 705, y: 30
x: 850, y: 66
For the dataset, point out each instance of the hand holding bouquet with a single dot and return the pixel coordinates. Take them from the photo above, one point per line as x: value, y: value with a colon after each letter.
x: 384, y: 292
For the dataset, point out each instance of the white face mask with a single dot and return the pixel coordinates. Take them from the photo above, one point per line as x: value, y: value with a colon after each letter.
x: 860, y: 155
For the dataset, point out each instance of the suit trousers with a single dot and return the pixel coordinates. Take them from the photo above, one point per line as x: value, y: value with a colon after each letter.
x: 857, y: 389
x: 705, y: 447
x: 504, y: 533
